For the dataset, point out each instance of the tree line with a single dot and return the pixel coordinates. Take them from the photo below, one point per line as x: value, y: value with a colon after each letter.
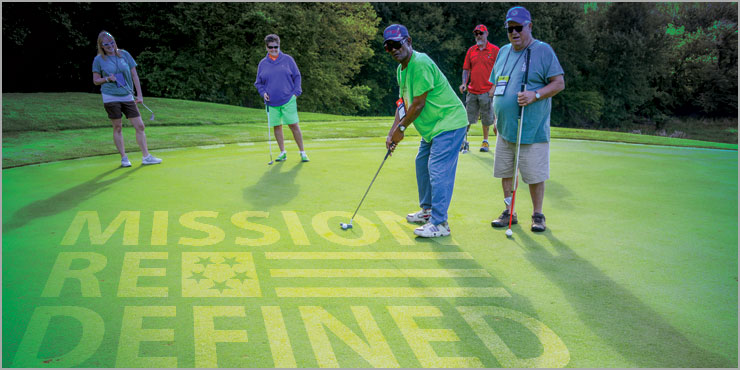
x: 623, y: 62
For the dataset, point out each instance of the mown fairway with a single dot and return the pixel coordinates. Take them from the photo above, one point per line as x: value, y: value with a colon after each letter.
x: 214, y: 258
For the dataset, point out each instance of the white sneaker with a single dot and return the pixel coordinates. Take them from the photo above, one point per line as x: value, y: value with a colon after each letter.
x: 150, y: 159
x: 125, y: 162
x: 422, y: 216
x: 433, y: 231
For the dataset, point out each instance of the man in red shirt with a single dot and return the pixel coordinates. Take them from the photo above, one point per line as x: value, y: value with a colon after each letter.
x: 478, y: 64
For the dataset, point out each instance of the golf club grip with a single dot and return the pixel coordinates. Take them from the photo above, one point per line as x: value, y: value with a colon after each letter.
x: 526, y: 69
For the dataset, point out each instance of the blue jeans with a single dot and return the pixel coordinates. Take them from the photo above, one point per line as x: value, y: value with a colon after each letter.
x: 436, y: 164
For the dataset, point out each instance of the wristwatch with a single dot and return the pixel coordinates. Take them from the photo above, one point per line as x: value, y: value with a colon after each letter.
x: 536, y: 95
x: 401, y: 128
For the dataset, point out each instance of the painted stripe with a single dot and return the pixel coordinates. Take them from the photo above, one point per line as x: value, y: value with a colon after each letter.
x: 391, y: 292
x: 245, y: 144
x: 368, y: 256
x: 214, y: 146
x: 378, y: 273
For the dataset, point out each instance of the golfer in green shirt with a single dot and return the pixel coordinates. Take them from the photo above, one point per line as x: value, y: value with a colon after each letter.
x: 428, y: 101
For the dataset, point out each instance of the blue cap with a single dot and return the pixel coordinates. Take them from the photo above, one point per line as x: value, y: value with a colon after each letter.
x: 395, y: 32
x: 519, y: 15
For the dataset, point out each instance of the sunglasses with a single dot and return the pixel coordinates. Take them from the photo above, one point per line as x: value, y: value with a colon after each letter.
x: 477, y: 33
x: 109, y: 43
x: 273, y: 47
x: 393, y: 45
x: 513, y: 28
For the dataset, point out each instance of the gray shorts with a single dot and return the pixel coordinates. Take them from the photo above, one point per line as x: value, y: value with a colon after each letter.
x: 534, y: 161
x: 479, y: 105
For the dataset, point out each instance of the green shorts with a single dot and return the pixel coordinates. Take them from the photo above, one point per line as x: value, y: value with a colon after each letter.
x: 284, y: 114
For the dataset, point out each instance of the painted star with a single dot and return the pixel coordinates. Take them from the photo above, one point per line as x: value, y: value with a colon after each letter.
x: 231, y: 261
x: 241, y: 276
x: 220, y: 286
x: 198, y: 276
x: 204, y: 261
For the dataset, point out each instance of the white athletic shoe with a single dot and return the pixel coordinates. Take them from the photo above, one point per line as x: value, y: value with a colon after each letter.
x: 150, y: 159
x: 125, y: 162
x: 433, y: 231
x: 422, y: 216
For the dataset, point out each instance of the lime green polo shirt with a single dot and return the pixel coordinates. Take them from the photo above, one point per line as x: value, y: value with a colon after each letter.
x: 443, y: 111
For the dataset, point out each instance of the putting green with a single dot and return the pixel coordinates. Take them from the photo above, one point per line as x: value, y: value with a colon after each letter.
x: 214, y: 258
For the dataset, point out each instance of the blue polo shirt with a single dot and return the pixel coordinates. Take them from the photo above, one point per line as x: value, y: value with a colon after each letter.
x: 543, y: 65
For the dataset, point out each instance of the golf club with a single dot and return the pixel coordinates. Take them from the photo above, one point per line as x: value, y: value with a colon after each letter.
x: 349, y: 225
x: 269, y: 141
x: 515, y: 183
x: 123, y: 84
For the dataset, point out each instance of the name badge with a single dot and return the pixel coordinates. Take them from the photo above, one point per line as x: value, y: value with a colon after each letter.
x: 401, y: 109
x: 501, y: 85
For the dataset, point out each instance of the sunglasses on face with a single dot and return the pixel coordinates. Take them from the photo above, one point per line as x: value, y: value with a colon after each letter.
x: 273, y: 47
x: 109, y: 43
x: 478, y: 33
x: 393, y: 45
x: 518, y: 29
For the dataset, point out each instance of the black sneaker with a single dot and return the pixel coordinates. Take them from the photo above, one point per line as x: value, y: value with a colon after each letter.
x: 538, y: 222
x: 503, y: 220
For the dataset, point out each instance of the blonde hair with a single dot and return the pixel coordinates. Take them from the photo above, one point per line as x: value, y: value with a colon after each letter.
x: 105, y: 34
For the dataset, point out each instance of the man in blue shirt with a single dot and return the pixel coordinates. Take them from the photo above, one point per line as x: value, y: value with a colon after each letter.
x: 544, y: 80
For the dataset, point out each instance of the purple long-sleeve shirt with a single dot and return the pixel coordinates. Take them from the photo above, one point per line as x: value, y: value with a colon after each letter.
x: 279, y: 78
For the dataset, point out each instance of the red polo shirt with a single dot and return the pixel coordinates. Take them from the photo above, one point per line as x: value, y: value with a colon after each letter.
x: 480, y: 63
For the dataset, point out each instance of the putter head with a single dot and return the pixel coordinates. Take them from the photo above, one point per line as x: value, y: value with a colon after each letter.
x: 345, y: 226
x: 152, y: 117
x: 270, y: 162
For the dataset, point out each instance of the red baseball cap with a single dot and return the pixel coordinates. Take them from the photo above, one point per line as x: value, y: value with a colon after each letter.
x: 481, y: 27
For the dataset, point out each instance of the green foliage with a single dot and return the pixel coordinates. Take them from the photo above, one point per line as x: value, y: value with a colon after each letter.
x: 704, y: 53
x: 623, y: 62
x: 214, y: 53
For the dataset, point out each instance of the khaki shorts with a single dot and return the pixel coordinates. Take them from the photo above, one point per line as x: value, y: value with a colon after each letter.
x: 117, y: 108
x: 479, y: 105
x: 534, y: 161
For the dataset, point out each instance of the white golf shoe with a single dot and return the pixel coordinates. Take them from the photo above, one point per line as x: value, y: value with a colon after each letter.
x: 150, y: 159
x: 433, y: 231
x: 422, y: 216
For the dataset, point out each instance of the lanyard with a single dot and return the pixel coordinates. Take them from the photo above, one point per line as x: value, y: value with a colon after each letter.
x: 517, y: 59
x: 405, y: 78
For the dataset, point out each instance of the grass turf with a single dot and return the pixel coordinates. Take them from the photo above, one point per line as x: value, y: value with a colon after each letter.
x: 625, y: 275
x: 35, y: 130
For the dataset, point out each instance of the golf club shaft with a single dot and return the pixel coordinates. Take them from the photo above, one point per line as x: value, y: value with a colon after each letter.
x: 371, y: 184
x: 515, y: 181
x: 269, y: 140
x: 132, y: 93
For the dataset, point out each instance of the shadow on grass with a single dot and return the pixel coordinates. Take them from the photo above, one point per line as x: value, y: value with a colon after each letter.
x: 484, y: 159
x: 275, y: 187
x: 629, y: 326
x: 65, y: 200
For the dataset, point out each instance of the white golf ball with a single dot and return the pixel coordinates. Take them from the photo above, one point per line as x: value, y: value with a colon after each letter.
x: 509, y: 232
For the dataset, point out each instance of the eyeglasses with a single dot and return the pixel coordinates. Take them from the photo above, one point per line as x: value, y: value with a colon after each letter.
x: 273, y: 47
x: 109, y: 43
x: 393, y: 45
x: 517, y: 28
x: 477, y: 33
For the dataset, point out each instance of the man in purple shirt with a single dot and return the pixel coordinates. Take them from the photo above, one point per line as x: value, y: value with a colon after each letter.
x: 279, y: 83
